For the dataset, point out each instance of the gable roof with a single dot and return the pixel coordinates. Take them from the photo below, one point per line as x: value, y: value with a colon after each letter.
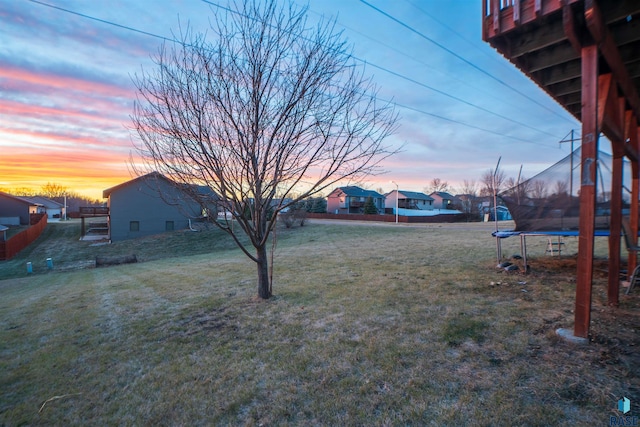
x: 353, y: 191
x: 199, y: 189
x: 17, y: 198
x: 414, y: 195
x: 47, y: 203
x: 442, y: 194
x: 155, y: 175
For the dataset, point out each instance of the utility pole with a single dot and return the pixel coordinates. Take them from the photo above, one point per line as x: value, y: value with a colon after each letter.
x: 571, y: 140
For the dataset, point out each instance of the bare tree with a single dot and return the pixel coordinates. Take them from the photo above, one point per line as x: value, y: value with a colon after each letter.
x: 436, y: 184
x: 492, y: 180
x: 469, y: 187
x: 270, y: 112
x: 53, y: 190
x: 22, y: 191
x: 539, y: 189
x: 518, y: 190
x: 561, y: 188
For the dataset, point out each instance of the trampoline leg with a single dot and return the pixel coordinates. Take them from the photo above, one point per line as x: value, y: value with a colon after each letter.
x: 633, y: 279
x: 523, y: 250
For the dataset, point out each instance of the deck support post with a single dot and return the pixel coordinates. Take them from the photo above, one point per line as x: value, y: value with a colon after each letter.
x: 590, y: 134
x: 631, y: 131
x: 615, y: 227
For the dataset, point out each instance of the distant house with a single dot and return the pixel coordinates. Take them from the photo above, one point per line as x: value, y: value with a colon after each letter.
x: 351, y: 200
x: 16, y: 210
x: 442, y: 200
x: 52, y: 208
x: 408, y: 200
x: 489, y: 213
x: 152, y: 204
x: 469, y: 204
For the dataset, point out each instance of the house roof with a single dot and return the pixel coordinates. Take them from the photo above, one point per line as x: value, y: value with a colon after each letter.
x: 414, y: 195
x: 17, y: 198
x: 200, y: 189
x: 353, y: 191
x: 43, y: 201
x: 442, y: 194
x: 106, y: 193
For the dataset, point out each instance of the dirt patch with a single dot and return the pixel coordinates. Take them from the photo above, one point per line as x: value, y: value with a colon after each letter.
x: 614, y: 330
x: 617, y: 330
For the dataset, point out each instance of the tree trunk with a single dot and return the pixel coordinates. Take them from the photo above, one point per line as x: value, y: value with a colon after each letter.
x: 264, y: 286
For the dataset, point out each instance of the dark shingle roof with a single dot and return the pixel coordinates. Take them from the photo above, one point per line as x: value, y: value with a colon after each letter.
x: 414, y: 195
x: 47, y: 203
x: 353, y: 191
x: 443, y: 194
x: 202, y: 190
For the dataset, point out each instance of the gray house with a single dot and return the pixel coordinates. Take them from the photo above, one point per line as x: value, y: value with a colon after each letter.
x: 152, y: 204
x: 351, y: 200
x: 51, y: 207
x: 442, y: 200
x: 408, y: 200
x: 16, y: 210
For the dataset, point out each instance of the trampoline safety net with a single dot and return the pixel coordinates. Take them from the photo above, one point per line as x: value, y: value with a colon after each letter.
x: 550, y: 200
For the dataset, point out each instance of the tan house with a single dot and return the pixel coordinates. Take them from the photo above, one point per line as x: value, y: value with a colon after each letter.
x: 408, y: 200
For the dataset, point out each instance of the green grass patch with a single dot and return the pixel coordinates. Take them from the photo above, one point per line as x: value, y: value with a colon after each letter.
x: 369, y: 325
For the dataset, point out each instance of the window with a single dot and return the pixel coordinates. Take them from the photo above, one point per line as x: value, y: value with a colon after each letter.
x: 168, y: 226
x: 134, y: 225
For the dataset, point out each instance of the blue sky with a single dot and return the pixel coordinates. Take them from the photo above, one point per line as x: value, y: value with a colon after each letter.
x: 67, y: 93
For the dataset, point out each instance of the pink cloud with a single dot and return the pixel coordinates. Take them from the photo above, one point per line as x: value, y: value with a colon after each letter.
x: 62, y: 82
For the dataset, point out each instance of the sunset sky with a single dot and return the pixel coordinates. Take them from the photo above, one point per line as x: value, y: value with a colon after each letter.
x: 66, y: 91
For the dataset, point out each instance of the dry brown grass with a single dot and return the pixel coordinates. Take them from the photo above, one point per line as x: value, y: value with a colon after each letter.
x: 370, y: 325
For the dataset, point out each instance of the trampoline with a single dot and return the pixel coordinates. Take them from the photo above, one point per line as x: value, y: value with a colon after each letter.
x: 499, y: 235
x: 548, y: 204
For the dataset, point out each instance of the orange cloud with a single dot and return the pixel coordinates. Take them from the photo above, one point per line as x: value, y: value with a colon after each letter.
x: 87, y: 171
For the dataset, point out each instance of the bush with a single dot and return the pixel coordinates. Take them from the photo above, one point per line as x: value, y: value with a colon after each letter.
x: 370, y: 207
x: 292, y: 216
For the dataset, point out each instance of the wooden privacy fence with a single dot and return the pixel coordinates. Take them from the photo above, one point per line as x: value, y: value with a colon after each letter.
x: 11, y: 247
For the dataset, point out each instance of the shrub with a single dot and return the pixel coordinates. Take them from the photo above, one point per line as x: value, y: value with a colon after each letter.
x: 370, y: 207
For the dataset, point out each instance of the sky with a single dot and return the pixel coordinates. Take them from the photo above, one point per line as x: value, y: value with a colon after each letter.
x: 67, y: 92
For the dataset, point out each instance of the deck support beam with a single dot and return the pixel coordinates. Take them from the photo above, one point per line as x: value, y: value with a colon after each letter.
x: 611, y: 121
x: 615, y: 226
x: 590, y: 133
x: 632, y: 140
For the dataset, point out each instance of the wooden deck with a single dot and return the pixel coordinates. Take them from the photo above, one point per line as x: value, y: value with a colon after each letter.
x: 586, y: 55
x: 544, y: 39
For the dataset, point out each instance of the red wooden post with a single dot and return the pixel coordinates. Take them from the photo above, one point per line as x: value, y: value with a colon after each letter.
x: 615, y: 227
x: 631, y: 134
x: 587, y: 190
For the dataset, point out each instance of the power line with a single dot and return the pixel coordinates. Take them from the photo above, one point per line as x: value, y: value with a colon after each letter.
x: 466, y: 61
x: 463, y: 123
x: 454, y: 77
x: 102, y: 21
x: 125, y: 27
x: 453, y: 31
x: 456, y: 98
x: 424, y: 85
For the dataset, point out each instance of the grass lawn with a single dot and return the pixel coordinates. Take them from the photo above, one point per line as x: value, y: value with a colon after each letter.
x: 370, y: 325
